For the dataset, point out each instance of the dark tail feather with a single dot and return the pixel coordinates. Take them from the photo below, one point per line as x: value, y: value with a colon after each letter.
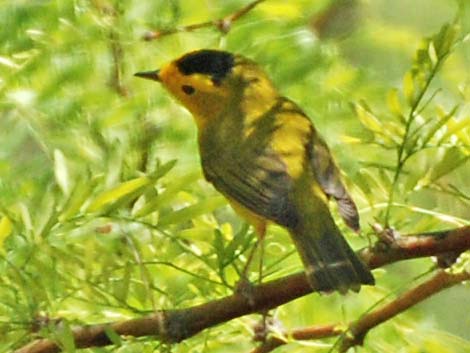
x: 330, y: 264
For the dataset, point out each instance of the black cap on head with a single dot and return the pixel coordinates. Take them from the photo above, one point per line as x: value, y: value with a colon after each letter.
x: 215, y: 63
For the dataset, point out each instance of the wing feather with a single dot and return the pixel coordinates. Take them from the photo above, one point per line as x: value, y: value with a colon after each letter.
x: 329, y: 177
x: 259, y: 183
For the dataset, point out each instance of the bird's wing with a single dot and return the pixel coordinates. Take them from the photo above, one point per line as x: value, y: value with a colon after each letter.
x: 329, y: 178
x: 258, y: 182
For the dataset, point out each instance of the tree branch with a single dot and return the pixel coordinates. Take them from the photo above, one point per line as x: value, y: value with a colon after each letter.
x: 440, y: 281
x: 223, y: 24
x: 177, y: 325
x: 356, y: 331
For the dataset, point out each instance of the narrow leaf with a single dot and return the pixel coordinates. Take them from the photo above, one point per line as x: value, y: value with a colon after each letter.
x: 408, y: 88
x: 439, y: 124
x: 167, y: 195
x: 80, y: 193
x: 367, y: 119
x: 65, y: 336
x: 127, y: 188
x: 113, y: 336
x: 455, y: 129
x: 219, y: 248
x: 6, y: 228
x: 193, y: 211
x: 164, y: 169
x: 394, y: 105
x: 452, y: 159
x: 61, y: 171
x: 432, y: 54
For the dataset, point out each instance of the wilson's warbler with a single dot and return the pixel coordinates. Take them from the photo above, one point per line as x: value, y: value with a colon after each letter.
x: 262, y: 152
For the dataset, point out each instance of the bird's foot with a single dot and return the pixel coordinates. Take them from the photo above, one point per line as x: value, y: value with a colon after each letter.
x: 388, y: 236
x: 246, y: 289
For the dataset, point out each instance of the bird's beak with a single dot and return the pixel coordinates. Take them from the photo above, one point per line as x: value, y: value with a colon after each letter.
x: 149, y: 75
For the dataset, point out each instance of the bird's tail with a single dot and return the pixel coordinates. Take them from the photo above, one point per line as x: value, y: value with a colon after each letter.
x: 330, y: 264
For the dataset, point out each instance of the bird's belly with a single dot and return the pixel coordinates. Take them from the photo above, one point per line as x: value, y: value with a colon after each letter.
x: 258, y: 222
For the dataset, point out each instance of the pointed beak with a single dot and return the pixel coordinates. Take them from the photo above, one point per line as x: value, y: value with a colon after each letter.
x: 149, y: 75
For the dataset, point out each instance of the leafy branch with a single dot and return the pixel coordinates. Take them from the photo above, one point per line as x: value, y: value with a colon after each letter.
x: 173, y: 326
x: 406, y: 135
x: 429, y: 59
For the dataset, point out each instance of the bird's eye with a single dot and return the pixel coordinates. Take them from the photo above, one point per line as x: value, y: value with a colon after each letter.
x: 188, y: 89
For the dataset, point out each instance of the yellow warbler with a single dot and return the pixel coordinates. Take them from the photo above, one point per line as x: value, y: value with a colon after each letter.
x: 262, y: 152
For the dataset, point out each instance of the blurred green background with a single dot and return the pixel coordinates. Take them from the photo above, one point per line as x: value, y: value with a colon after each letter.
x: 98, y: 223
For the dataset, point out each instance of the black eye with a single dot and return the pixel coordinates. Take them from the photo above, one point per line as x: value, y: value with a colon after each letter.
x: 216, y: 81
x: 188, y: 89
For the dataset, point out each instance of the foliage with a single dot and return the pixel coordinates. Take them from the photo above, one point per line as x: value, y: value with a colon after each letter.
x: 104, y: 214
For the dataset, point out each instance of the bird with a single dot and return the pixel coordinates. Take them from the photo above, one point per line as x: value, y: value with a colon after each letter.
x: 263, y: 153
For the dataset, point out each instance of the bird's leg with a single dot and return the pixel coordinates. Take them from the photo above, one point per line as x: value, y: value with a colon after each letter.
x: 263, y: 329
x: 244, y: 286
x: 261, y: 259
x: 260, y: 230
x: 251, y: 256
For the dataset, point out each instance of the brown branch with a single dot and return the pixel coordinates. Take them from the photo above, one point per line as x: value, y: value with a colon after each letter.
x: 359, y: 329
x: 177, y: 325
x: 223, y: 24
x: 356, y: 331
x: 106, y: 9
x: 305, y: 333
x: 418, y: 245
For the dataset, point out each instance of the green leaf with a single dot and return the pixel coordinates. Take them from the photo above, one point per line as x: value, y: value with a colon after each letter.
x: 187, y: 213
x: 444, y: 118
x: 393, y: 102
x: 432, y: 54
x: 121, y: 287
x: 219, y: 247
x: 141, y: 292
x: 170, y: 192
x: 46, y: 218
x: 240, y: 241
x: 65, y: 337
x: 113, y: 198
x: 61, y: 171
x: 26, y: 217
x: 113, y: 336
x: 409, y: 88
x: 456, y: 128
x: 368, y: 119
x: 164, y: 169
x: 452, y: 159
x: 445, y: 39
x: 6, y: 228
x: 80, y: 193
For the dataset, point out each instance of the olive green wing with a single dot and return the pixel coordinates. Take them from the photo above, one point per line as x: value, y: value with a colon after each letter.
x: 260, y: 183
x: 329, y: 177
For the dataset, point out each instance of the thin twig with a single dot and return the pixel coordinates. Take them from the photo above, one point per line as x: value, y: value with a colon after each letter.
x: 115, y: 46
x: 223, y: 24
x: 306, y: 333
x: 117, y: 54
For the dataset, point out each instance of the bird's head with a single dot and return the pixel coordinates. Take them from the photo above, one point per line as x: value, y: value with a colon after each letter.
x: 211, y: 82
